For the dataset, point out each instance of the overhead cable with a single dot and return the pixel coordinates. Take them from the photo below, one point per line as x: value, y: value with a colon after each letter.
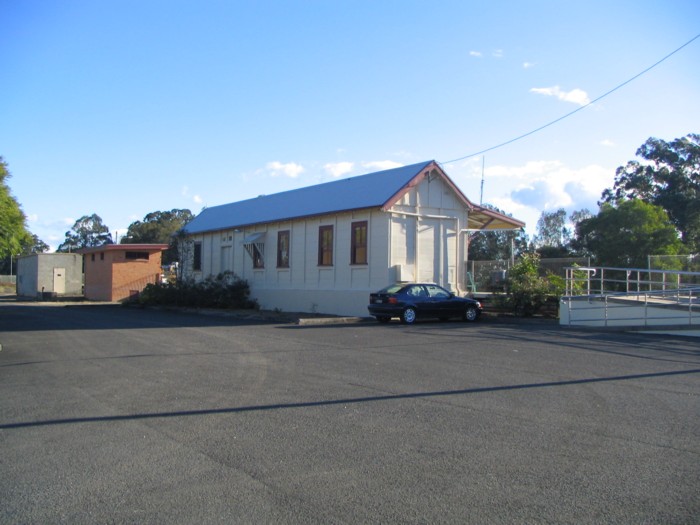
x: 577, y: 109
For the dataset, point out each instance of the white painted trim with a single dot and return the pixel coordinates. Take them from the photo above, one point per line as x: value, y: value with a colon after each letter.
x: 422, y: 215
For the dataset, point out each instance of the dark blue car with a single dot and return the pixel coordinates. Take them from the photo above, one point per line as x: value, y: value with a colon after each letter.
x: 414, y: 301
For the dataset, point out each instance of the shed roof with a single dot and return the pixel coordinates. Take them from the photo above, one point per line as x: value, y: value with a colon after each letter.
x: 374, y: 190
x: 124, y: 248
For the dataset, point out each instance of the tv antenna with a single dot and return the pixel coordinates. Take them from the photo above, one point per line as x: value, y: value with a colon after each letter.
x: 481, y: 195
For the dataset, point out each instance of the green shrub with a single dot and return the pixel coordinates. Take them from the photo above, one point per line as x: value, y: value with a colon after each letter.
x: 527, y: 291
x: 226, y: 290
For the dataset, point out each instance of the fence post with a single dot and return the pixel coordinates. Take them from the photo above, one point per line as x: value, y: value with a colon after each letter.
x: 690, y: 306
x: 646, y: 310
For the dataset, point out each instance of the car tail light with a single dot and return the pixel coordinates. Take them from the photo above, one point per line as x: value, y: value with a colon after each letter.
x: 392, y: 300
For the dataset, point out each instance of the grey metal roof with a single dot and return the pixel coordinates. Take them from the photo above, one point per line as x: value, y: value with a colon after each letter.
x: 354, y: 193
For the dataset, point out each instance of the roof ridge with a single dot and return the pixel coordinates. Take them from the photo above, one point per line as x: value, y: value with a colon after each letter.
x: 326, y: 183
x: 351, y: 193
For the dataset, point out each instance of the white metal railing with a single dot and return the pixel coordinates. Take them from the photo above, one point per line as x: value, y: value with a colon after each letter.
x: 631, y: 296
x: 601, y: 280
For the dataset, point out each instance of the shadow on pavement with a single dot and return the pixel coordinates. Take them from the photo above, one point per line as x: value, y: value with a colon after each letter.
x: 344, y: 401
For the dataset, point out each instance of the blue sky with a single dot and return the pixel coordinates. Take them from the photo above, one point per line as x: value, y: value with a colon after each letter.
x: 125, y: 107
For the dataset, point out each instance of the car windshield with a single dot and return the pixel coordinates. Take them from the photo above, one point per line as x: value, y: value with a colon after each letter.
x: 393, y: 288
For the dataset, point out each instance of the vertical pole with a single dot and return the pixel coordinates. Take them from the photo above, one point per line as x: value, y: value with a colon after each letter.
x: 481, y: 196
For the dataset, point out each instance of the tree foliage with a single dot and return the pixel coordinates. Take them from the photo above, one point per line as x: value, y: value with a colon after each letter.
x: 624, y: 235
x: 35, y: 245
x: 88, y: 231
x: 159, y: 227
x: 669, y: 177
x: 552, y: 230
x: 13, y: 230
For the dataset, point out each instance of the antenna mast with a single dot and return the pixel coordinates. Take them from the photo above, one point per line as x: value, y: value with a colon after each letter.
x: 481, y: 196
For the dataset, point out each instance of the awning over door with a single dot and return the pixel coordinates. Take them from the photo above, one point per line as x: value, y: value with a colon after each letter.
x: 483, y: 219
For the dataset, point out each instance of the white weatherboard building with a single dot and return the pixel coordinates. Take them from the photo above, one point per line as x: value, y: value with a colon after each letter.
x: 324, y: 248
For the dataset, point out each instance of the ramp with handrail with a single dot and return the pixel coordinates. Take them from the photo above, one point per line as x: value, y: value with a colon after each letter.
x: 630, y: 297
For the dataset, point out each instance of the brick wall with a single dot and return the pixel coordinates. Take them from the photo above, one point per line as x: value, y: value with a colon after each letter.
x: 110, y: 276
x: 98, y: 276
x: 129, y: 277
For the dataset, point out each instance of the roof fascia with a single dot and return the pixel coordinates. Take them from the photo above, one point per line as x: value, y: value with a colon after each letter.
x: 419, y: 177
x: 471, y: 207
x: 278, y: 221
x: 495, y: 216
x: 123, y: 247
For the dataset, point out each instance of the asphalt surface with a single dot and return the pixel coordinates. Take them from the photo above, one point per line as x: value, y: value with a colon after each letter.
x: 114, y: 415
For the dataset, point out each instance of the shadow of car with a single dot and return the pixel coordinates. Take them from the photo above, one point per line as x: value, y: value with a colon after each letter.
x: 411, y: 301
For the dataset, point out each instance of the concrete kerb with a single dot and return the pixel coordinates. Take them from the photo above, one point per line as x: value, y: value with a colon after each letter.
x: 316, y: 321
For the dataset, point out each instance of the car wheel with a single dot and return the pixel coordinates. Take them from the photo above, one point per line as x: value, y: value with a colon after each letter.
x: 408, y: 316
x: 471, y: 314
x: 383, y: 319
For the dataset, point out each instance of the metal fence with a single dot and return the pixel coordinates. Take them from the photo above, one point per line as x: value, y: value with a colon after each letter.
x: 630, y: 297
x: 490, y: 276
x: 685, y: 263
x: 602, y: 280
x: 679, y: 307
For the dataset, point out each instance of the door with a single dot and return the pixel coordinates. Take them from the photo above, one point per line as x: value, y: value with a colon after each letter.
x: 59, y: 280
x: 440, y: 301
x: 428, y: 261
x: 226, y: 258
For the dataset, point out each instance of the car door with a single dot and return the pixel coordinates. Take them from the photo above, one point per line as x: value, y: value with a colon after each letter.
x: 440, y: 301
x: 418, y: 296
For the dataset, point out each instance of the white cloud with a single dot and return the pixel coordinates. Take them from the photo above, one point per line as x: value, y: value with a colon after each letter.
x: 379, y: 165
x: 528, y: 65
x: 337, y: 169
x: 527, y: 190
x: 542, y: 195
x: 497, y: 53
x: 68, y: 221
x: 526, y: 172
x: 575, y: 96
x: 186, y: 193
x: 477, y: 54
x: 607, y: 143
x: 33, y: 217
x: 290, y: 169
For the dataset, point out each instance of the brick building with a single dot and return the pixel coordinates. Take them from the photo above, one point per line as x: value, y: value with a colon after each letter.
x: 118, y: 271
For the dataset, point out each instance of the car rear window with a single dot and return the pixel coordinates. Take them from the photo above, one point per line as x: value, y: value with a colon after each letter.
x: 392, y: 288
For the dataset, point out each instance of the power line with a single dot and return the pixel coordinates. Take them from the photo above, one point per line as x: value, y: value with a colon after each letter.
x: 577, y: 109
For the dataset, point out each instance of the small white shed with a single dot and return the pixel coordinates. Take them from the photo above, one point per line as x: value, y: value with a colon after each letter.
x: 50, y: 275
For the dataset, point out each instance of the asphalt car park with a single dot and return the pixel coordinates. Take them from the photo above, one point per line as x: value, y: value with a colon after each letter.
x: 119, y: 415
